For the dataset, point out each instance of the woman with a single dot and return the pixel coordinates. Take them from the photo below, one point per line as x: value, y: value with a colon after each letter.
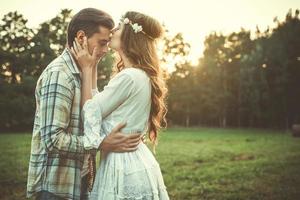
x: 135, y: 94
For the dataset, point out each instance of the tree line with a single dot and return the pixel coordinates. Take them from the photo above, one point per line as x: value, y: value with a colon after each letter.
x: 243, y: 79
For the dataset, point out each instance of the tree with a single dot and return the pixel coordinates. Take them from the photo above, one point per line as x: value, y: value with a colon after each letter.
x: 15, y: 42
x: 174, y: 55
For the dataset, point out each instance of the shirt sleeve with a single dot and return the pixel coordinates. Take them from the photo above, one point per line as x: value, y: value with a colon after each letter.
x: 56, y: 97
x: 102, y: 104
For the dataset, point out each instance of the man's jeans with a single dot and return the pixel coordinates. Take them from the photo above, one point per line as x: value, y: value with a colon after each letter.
x: 45, y: 195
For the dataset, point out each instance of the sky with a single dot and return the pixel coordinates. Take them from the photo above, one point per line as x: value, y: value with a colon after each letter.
x: 195, y: 19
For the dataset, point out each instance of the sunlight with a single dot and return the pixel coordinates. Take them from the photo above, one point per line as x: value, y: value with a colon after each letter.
x: 195, y: 19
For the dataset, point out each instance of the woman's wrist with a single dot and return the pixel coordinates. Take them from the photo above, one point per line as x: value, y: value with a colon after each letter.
x: 87, y: 70
x: 94, y: 77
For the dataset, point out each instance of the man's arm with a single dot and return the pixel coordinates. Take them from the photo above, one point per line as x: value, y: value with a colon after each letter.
x: 117, y: 141
x: 56, y: 98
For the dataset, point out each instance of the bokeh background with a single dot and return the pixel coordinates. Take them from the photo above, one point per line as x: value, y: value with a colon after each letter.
x: 234, y: 92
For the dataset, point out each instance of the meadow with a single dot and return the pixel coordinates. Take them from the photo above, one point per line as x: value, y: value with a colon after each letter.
x: 197, y: 164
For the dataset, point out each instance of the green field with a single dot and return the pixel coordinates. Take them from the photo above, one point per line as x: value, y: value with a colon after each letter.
x: 200, y: 163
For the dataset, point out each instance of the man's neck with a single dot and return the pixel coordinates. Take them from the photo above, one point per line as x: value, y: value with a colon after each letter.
x: 75, y: 60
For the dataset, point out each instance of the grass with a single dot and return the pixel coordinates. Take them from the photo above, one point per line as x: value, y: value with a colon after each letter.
x: 197, y: 163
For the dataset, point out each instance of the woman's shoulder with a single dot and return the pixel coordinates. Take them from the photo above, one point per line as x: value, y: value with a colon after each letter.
x: 131, y: 76
x: 134, y: 77
x: 135, y: 73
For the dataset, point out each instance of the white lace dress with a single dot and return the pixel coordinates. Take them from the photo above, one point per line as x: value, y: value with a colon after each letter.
x: 131, y: 175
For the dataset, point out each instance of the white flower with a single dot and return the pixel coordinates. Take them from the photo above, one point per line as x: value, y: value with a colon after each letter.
x: 126, y: 21
x: 137, y: 28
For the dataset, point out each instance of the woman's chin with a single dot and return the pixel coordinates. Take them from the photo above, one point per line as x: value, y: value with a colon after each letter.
x: 109, y: 44
x: 112, y: 48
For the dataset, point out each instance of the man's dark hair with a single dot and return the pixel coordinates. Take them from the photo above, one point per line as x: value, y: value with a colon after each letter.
x: 88, y: 20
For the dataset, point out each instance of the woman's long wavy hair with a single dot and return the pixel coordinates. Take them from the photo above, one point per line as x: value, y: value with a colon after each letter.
x: 140, y: 49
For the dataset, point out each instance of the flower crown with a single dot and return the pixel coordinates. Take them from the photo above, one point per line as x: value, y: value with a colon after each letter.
x: 136, y: 27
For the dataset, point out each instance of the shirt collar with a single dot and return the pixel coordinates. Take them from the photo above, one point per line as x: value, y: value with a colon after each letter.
x: 67, y: 56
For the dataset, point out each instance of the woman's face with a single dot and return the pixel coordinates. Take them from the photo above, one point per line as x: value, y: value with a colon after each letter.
x: 115, y: 42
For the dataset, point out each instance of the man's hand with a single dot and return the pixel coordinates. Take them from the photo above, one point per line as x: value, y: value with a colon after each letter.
x: 117, y: 141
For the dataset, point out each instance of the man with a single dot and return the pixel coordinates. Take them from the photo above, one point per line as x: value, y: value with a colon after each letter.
x: 59, y: 166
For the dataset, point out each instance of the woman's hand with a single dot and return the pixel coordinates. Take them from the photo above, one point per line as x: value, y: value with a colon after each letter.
x: 85, y: 60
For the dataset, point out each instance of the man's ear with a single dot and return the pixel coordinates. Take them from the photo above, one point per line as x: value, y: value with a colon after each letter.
x: 80, y: 35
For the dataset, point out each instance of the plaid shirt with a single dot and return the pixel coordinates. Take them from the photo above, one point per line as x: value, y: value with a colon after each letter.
x: 57, y: 151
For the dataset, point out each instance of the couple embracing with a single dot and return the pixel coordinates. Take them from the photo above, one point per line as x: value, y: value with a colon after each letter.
x: 73, y: 120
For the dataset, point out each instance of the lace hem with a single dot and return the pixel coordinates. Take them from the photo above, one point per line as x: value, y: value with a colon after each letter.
x: 136, y: 196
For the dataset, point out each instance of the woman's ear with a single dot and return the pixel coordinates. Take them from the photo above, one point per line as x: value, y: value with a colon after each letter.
x: 80, y: 36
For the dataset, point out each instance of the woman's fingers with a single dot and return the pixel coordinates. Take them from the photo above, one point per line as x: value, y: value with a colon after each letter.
x: 75, y: 47
x: 78, y: 45
x: 84, y: 58
x: 94, y: 55
x: 85, y: 45
x: 73, y: 52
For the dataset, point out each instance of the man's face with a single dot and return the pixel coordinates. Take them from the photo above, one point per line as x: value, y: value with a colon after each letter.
x: 99, y: 40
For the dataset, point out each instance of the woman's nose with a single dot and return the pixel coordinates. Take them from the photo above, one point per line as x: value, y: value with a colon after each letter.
x: 114, y: 30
